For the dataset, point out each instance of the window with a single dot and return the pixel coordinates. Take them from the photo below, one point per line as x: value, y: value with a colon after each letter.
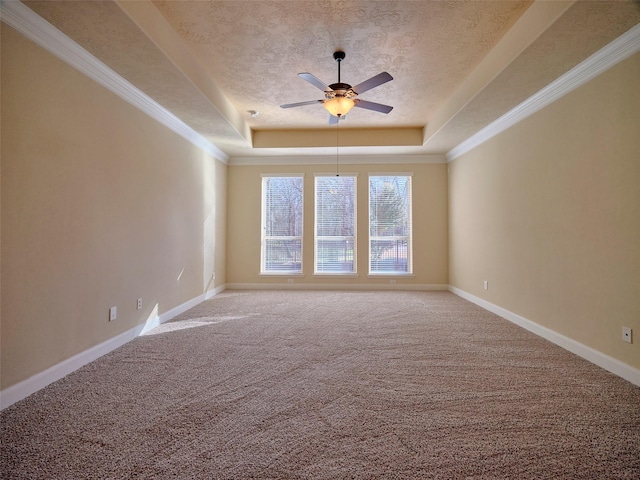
x: 281, y: 224
x: 335, y: 224
x: 390, y: 249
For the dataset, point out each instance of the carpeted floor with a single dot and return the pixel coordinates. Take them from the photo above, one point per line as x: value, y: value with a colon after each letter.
x: 329, y: 385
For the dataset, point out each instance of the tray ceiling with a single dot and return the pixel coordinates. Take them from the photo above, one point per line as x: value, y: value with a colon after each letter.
x: 457, y: 65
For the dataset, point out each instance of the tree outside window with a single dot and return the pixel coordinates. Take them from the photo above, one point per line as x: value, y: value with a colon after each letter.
x: 282, y: 206
x: 390, y: 224
x: 335, y: 224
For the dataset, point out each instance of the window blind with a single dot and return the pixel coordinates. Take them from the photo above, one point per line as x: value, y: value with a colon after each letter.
x: 335, y: 224
x: 282, y: 202
x: 390, y: 224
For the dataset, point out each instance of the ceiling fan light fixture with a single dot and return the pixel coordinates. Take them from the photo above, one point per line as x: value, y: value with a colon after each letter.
x: 339, y: 106
x: 340, y: 97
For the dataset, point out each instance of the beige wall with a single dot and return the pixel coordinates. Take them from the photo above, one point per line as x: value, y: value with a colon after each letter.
x: 100, y: 205
x: 549, y: 213
x: 429, y: 222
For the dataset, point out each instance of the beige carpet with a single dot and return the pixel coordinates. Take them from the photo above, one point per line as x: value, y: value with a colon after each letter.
x: 330, y: 385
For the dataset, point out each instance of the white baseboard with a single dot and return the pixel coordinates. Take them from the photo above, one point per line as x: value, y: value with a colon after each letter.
x: 603, y: 360
x: 22, y: 390
x: 336, y: 286
x: 17, y: 392
x: 156, y: 320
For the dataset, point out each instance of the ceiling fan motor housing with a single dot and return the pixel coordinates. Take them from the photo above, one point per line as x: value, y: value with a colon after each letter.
x: 340, y: 90
x: 340, y: 97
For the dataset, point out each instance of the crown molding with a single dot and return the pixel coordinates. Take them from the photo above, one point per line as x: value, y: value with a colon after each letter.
x: 621, y: 48
x: 31, y: 25
x: 349, y: 137
x: 343, y: 160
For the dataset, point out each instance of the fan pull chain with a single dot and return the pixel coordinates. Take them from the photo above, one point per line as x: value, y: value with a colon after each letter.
x: 337, y: 145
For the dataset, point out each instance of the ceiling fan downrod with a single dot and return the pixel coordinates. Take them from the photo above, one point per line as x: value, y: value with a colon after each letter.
x: 340, y: 97
x: 338, y: 57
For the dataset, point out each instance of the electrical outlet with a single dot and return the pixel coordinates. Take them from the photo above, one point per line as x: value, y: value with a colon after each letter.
x: 392, y: 282
x: 139, y: 305
x: 290, y: 280
x: 113, y: 313
x: 626, y: 335
x: 486, y: 284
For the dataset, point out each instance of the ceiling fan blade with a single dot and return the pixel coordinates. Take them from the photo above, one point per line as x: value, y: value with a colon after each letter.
x: 315, y: 81
x: 378, y: 107
x: 300, y: 104
x: 373, y: 82
x: 333, y: 119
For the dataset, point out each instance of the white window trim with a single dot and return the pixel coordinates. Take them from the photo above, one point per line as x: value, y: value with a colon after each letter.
x: 390, y: 274
x: 279, y: 273
x: 354, y: 238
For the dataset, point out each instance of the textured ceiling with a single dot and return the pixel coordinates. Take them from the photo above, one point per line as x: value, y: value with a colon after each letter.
x: 457, y: 65
x: 258, y: 47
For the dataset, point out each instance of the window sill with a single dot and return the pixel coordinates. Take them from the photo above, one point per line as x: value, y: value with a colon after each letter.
x: 391, y: 275
x: 282, y: 274
x: 336, y: 275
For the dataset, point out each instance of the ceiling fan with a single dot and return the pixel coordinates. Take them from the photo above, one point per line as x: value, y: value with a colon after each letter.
x: 341, y: 97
